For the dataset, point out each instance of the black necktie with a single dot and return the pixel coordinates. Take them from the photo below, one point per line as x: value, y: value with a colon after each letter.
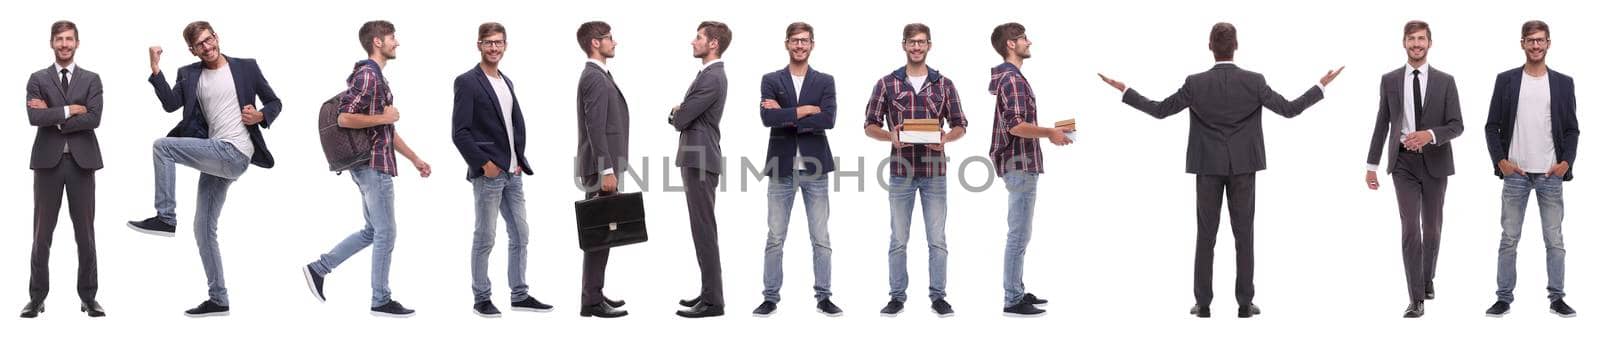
x: 1416, y: 97
x: 64, y: 84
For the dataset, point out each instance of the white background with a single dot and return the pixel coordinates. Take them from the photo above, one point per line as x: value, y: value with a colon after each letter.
x: 1114, y: 232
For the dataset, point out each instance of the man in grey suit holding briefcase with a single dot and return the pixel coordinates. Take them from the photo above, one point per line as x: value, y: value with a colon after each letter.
x: 602, y: 152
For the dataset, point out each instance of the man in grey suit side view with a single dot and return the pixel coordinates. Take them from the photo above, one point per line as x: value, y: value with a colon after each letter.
x: 1418, y: 114
x: 1225, y: 152
x: 602, y: 152
x: 698, y: 121
x: 64, y: 102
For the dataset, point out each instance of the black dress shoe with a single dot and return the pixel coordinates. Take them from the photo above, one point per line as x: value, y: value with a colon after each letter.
x: 614, y: 303
x: 1414, y: 310
x: 93, y: 309
x: 32, y: 310
x: 701, y: 310
x: 765, y: 309
x: 1200, y: 311
x: 1428, y: 291
x: 691, y: 302
x: 1248, y: 311
x: 602, y: 309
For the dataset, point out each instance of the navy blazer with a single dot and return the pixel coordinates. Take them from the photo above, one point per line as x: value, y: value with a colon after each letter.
x: 1503, y: 117
x: 809, y: 135
x: 248, y: 83
x: 477, y: 124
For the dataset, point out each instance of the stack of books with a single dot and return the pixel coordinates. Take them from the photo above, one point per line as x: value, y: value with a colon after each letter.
x: 1072, y: 127
x: 920, y: 131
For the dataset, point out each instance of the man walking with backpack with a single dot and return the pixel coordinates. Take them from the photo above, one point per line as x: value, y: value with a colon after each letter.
x: 369, y: 105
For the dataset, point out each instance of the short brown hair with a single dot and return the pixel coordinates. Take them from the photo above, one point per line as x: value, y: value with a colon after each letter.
x: 589, y: 31
x: 1005, y: 33
x: 192, y: 31
x: 1418, y: 25
x: 63, y: 26
x: 912, y: 30
x: 1534, y: 26
x: 375, y: 29
x: 720, y: 32
x: 490, y: 28
x: 1224, y: 40
x: 796, y: 28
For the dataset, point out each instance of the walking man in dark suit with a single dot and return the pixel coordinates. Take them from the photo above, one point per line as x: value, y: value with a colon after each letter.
x: 698, y: 121
x: 1225, y: 152
x: 64, y: 102
x: 1418, y: 114
x: 602, y: 152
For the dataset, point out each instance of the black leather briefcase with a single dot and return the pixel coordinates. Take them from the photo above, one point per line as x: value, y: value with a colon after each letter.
x: 610, y: 221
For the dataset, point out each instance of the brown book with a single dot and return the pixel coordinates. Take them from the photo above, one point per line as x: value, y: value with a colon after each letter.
x: 1067, y: 123
x: 920, y: 127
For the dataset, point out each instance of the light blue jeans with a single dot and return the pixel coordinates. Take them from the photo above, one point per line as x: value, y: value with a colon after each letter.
x: 1514, y: 205
x: 377, y: 200
x: 903, y: 192
x: 1019, y: 222
x: 219, y: 164
x: 499, y: 196
x: 780, y: 199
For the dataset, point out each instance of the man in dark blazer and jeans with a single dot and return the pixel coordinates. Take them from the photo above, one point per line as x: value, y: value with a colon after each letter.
x: 488, y: 129
x: 1532, y: 135
x: 698, y: 121
x: 220, y: 135
x: 64, y: 102
x: 1225, y: 152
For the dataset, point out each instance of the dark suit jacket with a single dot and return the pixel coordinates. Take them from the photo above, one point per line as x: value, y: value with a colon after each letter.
x: 1441, y: 113
x: 56, y: 130
x: 602, y: 124
x: 1503, y: 117
x: 248, y: 84
x: 698, y: 121
x: 478, y: 127
x: 1225, y: 117
x: 809, y: 135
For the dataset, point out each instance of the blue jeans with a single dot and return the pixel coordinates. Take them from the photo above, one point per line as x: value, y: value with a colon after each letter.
x: 903, y: 193
x: 219, y: 164
x: 1019, y: 221
x: 1514, y: 204
x: 502, y: 196
x: 377, y: 200
x: 780, y: 199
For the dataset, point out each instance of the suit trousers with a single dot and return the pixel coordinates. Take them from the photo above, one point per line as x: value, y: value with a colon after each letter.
x: 48, y: 185
x: 1240, y: 191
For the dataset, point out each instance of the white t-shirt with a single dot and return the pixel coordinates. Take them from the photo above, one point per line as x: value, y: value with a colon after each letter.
x: 503, y: 92
x: 220, y: 102
x: 1532, y: 148
x: 799, y: 159
x: 916, y: 83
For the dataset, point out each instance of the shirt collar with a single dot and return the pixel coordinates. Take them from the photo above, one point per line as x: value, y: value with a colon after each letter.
x: 601, y: 64
x: 1226, y: 63
x: 71, y: 68
x: 708, y: 64
x: 1425, y: 67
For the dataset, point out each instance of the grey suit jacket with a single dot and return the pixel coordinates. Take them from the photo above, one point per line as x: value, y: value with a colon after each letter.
x: 698, y: 120
x: 56, y: 130
x: 1225, y: 117
x: 1441, y: 113
x: 602, y: 124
